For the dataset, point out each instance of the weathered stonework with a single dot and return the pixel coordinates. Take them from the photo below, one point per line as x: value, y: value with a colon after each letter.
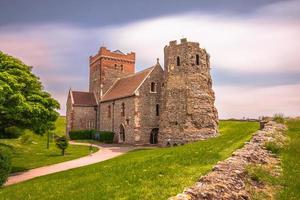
x: 228, y: 179
x: 176, y: 104
x: 188, y: 112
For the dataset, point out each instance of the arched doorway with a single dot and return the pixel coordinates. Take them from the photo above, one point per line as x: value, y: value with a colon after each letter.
x: 153, y: 136
x: 122, y: 134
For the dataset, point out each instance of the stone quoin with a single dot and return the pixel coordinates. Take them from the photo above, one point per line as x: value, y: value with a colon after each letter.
x: 154, y: 106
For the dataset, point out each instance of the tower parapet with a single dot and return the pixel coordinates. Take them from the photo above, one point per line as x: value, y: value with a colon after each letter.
x: 106, y: 66
x: 188, y: 111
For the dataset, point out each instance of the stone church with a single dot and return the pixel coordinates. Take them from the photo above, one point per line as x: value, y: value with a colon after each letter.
x: 167, y: 106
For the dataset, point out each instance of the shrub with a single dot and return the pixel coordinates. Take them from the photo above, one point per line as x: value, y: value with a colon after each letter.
x: 81, y: 134
x: 12, y: 132
x: 273, y: 147
x: 279, y: 118
x: 5, y: 164
x: 106, y: 137
x: 62, y: 143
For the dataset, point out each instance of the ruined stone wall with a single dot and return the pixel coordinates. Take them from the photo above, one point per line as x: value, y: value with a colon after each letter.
x: 83, y: 118
x: 115, y: 120
x: 229, y: 179
x: 146, y: 104
x: 188, y: 111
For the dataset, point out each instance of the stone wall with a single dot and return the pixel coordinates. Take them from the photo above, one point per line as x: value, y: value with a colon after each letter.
x: 116, y: 120
x: 188, y: 112
x: 228, y: 179
x: 146, y: 105
x: 82, y: 118
x: 140, y: 111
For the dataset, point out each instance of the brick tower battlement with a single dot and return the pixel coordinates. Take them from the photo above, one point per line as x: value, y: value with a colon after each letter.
x: 107, y: 66
x: 188, y: 111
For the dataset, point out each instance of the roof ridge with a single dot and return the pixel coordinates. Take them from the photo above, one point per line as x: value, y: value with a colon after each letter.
x: 137, y: 73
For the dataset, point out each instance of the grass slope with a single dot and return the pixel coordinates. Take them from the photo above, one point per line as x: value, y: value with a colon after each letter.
x: 290, y: 157
x: 142, y: 174
x: 34, y: 154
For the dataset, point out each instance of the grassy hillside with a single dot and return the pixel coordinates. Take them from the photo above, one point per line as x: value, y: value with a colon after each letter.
x: 290, y: 157
x: 29, y: 151
x: 143, y: 174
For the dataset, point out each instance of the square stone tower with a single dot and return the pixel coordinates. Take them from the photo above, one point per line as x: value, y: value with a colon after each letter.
x: 106, y: 67
x: 188, y: 111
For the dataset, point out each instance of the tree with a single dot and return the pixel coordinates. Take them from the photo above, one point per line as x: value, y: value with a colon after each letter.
x: 62, y: 143
x: 23, y: 101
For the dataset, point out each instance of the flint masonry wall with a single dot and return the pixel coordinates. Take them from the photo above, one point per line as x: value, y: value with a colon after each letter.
x: 188, y: 111
x: 113, y: 121
x: 146, y: 101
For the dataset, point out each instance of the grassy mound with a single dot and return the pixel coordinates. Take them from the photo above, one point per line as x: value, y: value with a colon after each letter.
x: 29, y: 151
x: 142, y: 174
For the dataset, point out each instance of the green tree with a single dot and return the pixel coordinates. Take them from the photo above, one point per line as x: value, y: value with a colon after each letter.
x: 62, y: 143
x: 23, y: 101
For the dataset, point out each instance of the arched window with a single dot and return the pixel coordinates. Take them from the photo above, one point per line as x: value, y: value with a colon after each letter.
x: 123, y: 109
x: 153, y: 87
x: 178, y: 61
x: 116, y: 66
x: 122, y: 68
x: 197, y: 60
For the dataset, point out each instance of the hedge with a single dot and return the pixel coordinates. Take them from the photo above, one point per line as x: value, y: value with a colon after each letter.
x: 5, y: 164
x: 102, y: 136
x: 82, y: 134
x: 106, y: 137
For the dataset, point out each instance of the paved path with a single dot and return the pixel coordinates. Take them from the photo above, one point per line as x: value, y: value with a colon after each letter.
x: 104, y: 153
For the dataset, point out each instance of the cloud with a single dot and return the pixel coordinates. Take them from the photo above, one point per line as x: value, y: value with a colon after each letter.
x: 257, y: 101
x: 246, y: 48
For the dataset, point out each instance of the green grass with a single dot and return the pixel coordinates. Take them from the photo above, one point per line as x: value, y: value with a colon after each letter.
x: 290, y: 157
x: 34, y: 153
x: 141, y: 174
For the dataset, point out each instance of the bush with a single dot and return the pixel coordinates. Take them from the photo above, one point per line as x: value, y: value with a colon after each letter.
x: 5, y: 164
x: 273, y: 147
x: 62, y: 143
x: 82, y: 134
x: 12, y: 132
x: 102, y: 136
x: 106, y: 137
x: 279, y: 118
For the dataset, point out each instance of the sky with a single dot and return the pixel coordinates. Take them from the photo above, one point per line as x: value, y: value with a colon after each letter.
x: 254, y: 45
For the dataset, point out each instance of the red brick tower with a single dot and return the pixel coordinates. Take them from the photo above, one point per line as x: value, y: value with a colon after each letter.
x: 106, y: 66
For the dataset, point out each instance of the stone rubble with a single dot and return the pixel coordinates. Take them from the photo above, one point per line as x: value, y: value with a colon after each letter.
x: 228, y: 177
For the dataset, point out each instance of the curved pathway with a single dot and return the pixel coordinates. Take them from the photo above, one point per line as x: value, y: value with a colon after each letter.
x: 105, y: 152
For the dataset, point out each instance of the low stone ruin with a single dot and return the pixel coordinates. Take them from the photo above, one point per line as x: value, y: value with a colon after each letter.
x: 227, y: 179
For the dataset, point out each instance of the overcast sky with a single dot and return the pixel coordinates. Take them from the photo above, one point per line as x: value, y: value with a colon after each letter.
x: 254, y: 45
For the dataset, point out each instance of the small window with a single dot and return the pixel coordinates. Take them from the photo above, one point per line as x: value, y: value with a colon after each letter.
x: 109, y: 111
x: 122, y: 69
x: 153, y: 87
x: 178, y: 61
x: 127, y: 121
x: 116, y: 66
x: 157, y: 109
x: 197, y: 60
x: 123, y: 109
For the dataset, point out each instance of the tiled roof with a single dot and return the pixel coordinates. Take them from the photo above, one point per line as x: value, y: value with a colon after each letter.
x: 84, y: 98
x: 126, y: 86
x: 119, y: 52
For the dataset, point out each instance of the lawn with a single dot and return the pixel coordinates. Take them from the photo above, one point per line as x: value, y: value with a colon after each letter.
x: 33, y: 152
x: 290, y: 157
x: 141, y: 174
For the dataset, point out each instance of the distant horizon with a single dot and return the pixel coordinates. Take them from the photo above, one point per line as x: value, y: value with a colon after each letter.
x: 253, y: 46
